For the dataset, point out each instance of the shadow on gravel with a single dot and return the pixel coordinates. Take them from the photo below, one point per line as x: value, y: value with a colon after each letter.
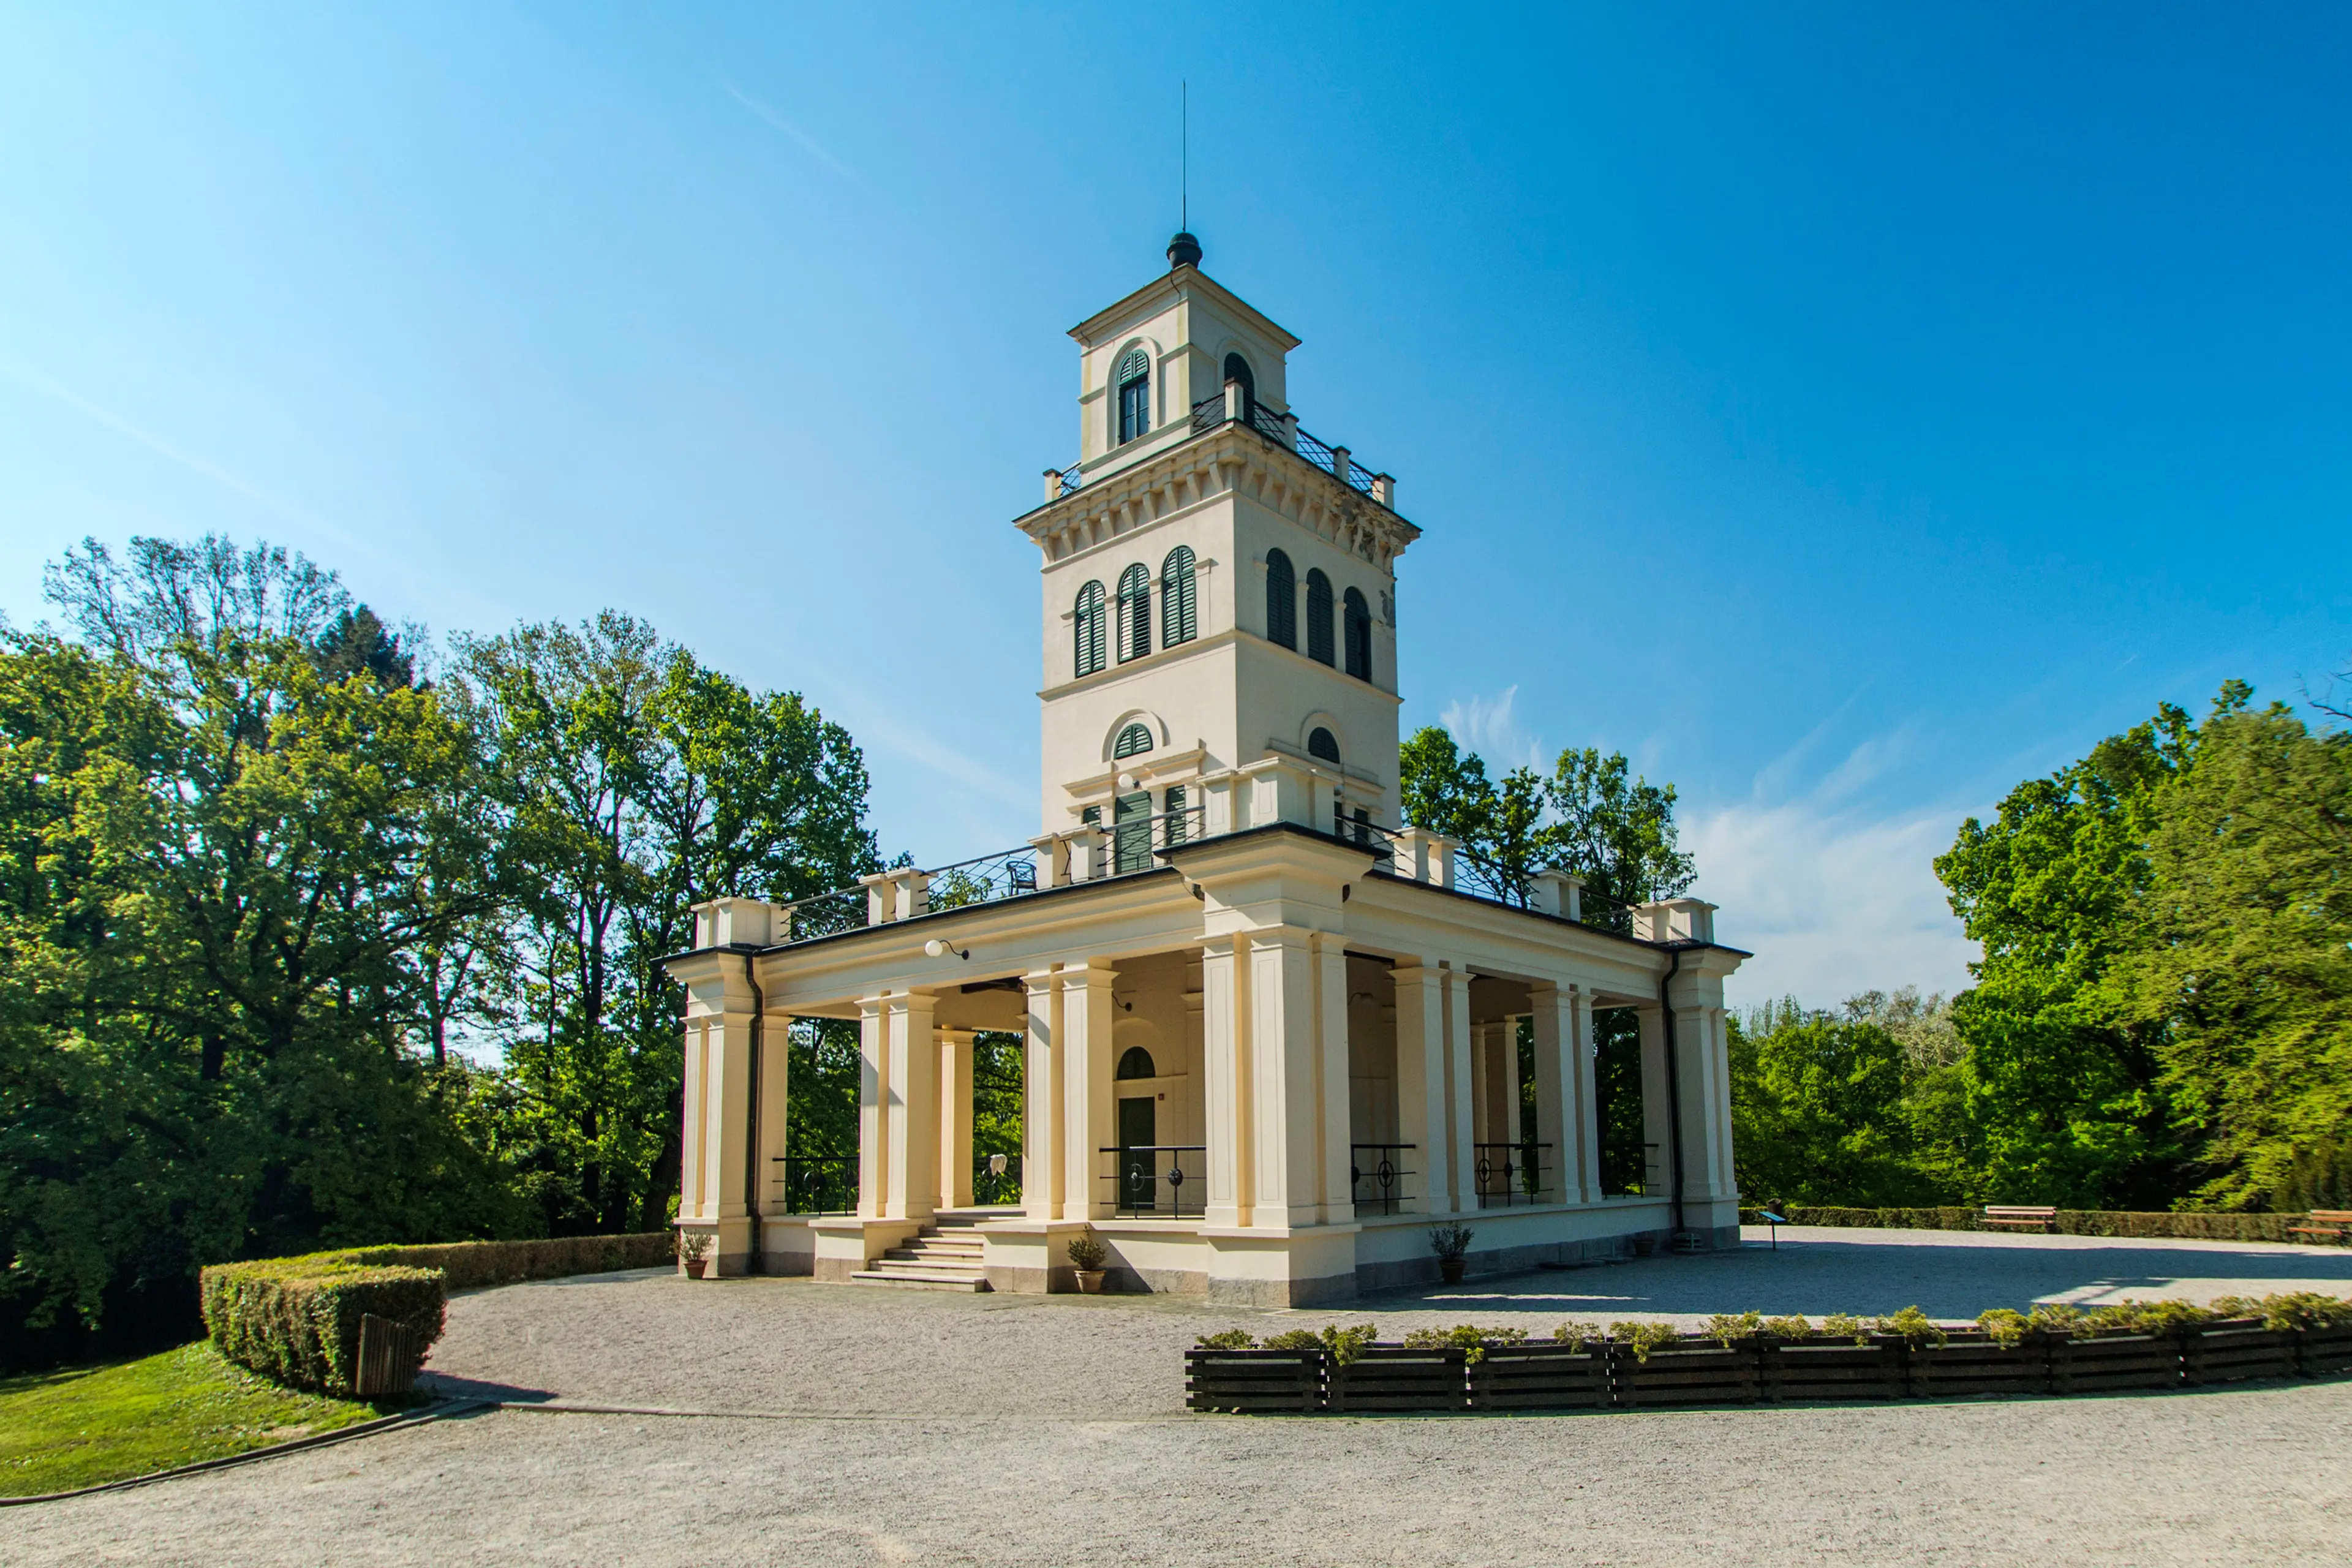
x: 1947, y: 1279
x: 441, y: 1385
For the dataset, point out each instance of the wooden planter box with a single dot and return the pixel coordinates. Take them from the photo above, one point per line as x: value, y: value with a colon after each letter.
x: 2112, y: 1364
x: 1254, y: 1382
x: 1686, y: 1374
x: 1391, y: 1377
x: 1541, y: 1377
x: 1968, y: 1364
x: 2324, y: 1352
x: 1797, y: 1370
x: 2236, y: 1352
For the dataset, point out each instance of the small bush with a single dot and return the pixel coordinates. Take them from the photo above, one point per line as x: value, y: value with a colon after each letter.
x: 1575, y: 1336
x: 1794, y: 1328
x: 1451, y: 1242
x: 1344, y: 1345
x: 295, y: 1320
x: 2005, y: 1326
x: 1846, y: 1326
x: 1726, y: 1327
x: 2305, y: 1310
x: 1914, y: 1326
x: 1643, y: 1337
x: 475, y: 1265
x: 1088, y: 1252
x: 2055, y: 1318
x: 1467, y: 1337
x: 1293, y: 1340
x: 1226, y: 1340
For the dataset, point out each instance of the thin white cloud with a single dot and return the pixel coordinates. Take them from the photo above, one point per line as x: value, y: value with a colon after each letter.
x: 1830, y: 902
x: 1490, y: 727
x: 799, y: 138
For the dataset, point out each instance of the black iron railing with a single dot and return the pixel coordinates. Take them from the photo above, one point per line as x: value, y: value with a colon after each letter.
x: 1376, y: 1176
x: 1283, y: 430
x: 1491, y: 879
x: 1159, y: 1181
x: 1069, y: 478
x: 1007, y: 874
x: 818, y: 1183
x: 842, y: 909
x: 1508, y: 1174
x: 996, y: 1179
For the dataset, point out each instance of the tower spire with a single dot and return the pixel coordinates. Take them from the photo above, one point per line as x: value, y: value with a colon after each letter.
x: 1184, y: 251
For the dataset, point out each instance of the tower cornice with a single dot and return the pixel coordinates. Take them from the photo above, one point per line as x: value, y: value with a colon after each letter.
x: 1231, y: 460
x: 1156, y: 296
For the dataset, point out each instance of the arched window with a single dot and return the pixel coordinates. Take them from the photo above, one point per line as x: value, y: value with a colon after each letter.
x: 1319, y: 618
x: 1136, y: 1062
x: 1281, y: 600
x: 1237, y: 369
x: 1134, y: 612
x: 1089, y: 628
x: 1323, y: 745
x: 1178, y: 622
x: 1358, y: 617
x: 1133, y: 741
x: 1134, y: 383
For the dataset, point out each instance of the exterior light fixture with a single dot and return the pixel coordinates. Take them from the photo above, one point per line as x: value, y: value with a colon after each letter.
x: 940, y: 948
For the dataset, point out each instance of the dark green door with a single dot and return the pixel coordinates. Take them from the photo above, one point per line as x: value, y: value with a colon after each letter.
x: 1138, y: 1177
x: 1131, y: 833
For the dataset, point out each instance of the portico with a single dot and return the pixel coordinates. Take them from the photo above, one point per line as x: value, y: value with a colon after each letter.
x: 1271, y: 1032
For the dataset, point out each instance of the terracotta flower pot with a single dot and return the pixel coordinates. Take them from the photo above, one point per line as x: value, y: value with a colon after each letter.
x: 1451, y: 1269
x: 1090, y: 1281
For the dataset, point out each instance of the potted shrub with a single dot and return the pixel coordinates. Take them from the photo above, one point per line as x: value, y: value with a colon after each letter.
x: 1088, y: 1253
x: 693, y: 1246
x: 1452, y: 1245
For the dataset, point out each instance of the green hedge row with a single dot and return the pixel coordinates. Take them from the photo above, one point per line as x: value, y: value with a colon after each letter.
x: 295, y: 1320
x: 471, y: 1264
x: 2070, y: 1222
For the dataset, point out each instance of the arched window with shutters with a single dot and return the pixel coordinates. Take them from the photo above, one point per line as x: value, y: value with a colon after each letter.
x: 1134, y: 612
x: 1357, y: 619
x: 1133, y: 382
x: 1319, y: 619
x: 1133, y: 741
x: 1178, y: 621
x: 1088, y: 629
x: 1323, y: 745
x: 1281, y: 600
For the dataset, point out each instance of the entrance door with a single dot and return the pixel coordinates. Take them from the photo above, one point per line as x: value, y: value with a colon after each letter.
x: 1139, y: 1178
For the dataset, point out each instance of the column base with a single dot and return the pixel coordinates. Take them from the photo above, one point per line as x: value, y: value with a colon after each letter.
x: 1030, y: 1256
x: 1279, y: 1266
x: 843, y: 1245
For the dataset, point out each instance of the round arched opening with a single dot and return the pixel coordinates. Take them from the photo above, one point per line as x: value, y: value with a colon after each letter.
x: 1136, y: 1063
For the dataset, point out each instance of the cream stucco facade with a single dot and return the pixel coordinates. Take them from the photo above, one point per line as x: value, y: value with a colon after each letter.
x: 1222, y: 918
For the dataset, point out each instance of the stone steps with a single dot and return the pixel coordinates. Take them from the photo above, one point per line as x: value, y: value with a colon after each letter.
x: 937, y: 1259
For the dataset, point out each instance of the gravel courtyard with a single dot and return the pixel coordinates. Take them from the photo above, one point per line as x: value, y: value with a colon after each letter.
x: 653, y: 1420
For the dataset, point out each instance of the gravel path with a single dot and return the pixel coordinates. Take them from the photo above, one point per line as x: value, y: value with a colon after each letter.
x: 935, y: 1428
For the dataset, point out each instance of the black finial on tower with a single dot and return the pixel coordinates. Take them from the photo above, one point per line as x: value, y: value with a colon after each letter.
x: 1183, y: 250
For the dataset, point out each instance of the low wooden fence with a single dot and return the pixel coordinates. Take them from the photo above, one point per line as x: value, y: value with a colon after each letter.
x: 1610, y: 1375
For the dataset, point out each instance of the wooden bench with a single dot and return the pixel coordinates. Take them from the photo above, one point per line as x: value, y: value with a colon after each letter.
x: 2019, y: 1216
x: 2333, y: 1222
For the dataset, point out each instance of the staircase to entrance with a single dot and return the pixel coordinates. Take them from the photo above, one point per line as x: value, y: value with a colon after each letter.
x: 944, y: 1257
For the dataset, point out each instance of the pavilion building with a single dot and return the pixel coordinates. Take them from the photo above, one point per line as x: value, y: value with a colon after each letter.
x: 1274, y: 1033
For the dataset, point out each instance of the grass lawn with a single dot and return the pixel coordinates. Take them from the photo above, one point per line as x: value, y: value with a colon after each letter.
x: 60, y: 1430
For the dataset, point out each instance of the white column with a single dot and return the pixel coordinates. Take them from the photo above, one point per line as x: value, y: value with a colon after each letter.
x: 1421, y: 1084
x: 1463, y: 1178
x: 693, y: 1164
x: 955, y: 1118
x: 1513, y: 1091
x: 914, y: 1107
x: 1087, y: 1104
x: 775, y: 1095
x: 873, y: 1107
x: 1332, y: 1086
x: 1482, y: 1082
x: 1657, y: 1129
x: 1584, y: 1081
x: 1283, y: 1106
x: 1041, y: 1102
x: 1555, y: 1032
x: 1224, y: 1072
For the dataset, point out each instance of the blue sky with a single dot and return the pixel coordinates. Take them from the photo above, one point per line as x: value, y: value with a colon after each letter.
x: 1847, y: 412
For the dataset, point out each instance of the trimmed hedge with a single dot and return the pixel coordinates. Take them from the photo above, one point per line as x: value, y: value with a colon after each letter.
x: 471, y: 1264
x: 2069, y: 1222
x: 295, y: 1320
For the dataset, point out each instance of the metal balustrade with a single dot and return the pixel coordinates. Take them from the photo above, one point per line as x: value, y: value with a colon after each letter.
x: 1159, y: 1180
x: 1508, y: 1174
x: 1375, y: 1177
x: 818, y: 1183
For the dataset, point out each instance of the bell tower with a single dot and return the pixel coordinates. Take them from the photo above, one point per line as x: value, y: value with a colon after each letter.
x: 1218, y: 586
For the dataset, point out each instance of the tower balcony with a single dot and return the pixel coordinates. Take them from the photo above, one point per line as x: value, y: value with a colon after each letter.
x: 1234, y: 405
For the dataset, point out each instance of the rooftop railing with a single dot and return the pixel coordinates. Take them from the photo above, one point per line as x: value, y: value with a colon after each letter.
x: 1133, y: 845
